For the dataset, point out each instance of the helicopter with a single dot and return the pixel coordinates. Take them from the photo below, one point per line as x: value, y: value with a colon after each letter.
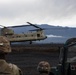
x: 30, y: 36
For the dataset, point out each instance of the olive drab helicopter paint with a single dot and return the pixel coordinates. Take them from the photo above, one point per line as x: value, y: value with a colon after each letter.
x: 30, y: 36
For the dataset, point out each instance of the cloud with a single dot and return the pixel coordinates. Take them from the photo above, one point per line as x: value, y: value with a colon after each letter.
x: 59, y: 12
x: 54, y: 36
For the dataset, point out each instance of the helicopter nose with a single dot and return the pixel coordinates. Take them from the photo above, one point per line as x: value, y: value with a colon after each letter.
x: 45, y: 37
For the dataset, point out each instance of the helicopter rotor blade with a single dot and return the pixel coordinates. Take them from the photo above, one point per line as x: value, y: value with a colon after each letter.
x: 30, y: 24
x: 18, y: 26
x: 34, y: 25
x: 34, y: 30
x: 2, y: 26
x: 48, y: 29
x: 39, y: 29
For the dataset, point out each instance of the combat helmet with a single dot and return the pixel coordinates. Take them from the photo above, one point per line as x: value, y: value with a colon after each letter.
x: 43, y: 67
x: 4, y: 45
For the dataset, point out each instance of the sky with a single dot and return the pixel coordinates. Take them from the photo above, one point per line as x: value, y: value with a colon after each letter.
x: 52, y: 12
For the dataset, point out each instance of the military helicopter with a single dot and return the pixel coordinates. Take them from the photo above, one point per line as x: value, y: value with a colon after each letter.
x: 30, y: 36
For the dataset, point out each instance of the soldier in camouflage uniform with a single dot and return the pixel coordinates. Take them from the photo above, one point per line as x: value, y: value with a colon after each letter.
x: 7, y: 68
x: 44, y: 68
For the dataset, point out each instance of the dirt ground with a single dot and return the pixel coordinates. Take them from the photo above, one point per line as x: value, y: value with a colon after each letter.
x: 28, y: 60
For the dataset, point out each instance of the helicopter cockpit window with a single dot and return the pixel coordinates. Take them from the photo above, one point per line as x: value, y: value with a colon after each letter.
x: 38, y: 35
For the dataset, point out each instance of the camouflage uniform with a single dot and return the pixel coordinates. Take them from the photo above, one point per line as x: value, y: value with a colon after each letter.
x: 44, y: 68
x: 7, y: 68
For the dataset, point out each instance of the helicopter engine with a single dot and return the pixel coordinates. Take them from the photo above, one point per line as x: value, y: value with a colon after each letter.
x: 6, y: 31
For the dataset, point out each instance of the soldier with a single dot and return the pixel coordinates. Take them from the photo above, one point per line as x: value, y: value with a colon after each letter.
x: 7, y: 68
x: 44, y: 68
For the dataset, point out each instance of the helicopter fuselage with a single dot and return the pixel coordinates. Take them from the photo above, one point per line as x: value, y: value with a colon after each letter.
x: 21, y: 37
x: 30, y: 36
